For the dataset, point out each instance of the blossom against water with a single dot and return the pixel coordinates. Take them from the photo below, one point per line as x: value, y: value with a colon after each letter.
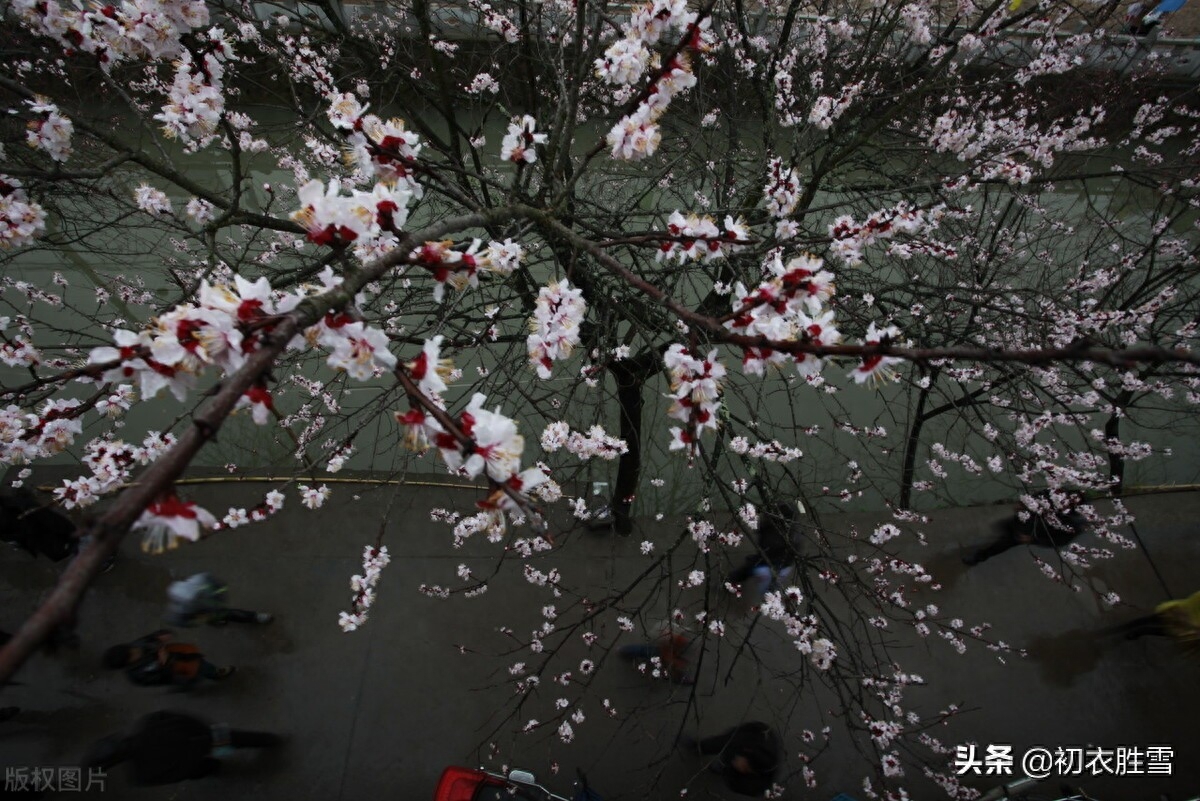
x: 519, y: 143
x: 877, y: 367
x: 21, y: 220
x: 557, y: 317
x: 695, y: 390
x: 152, y: 201
x: 49, y: 131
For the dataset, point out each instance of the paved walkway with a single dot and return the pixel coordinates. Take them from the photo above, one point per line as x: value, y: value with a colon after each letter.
x: 378, y: 713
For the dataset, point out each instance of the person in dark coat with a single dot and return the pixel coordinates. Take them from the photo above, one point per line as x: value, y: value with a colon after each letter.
x: 170, y: 747
x: 34, y: 527
x: 1051, y: 528
x: 747, y: 756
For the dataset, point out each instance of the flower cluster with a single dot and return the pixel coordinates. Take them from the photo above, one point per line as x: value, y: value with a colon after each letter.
x: 21, y: 220
x: 354, y: 346
x: 695, y: 389
x: 383, y: 150
x: 555, y: 323
x: 779, y: 606
x: 694, y: 237
x: 152, y: 201
x: 313, y: 497
x: 518, y: 143
x: 169, y: 519
x: 782, y: 189
x: 460, y: 268
x: 363, y: 587
x: 111, y: 462
x: 789, y: 305
x: 148, y: 29
x: 496, y: 22
x: 49, y: 131
x: 15, y: 349
x: 339, y: 220
x: 850, y: 237
x: 826, y: 110
x: 237, y: 517
x: 175, y: 347
x: 596, y: 443
x: 197, y: 96
x: 637, y: 135
x: 26, y: 436
x: 489, y: 446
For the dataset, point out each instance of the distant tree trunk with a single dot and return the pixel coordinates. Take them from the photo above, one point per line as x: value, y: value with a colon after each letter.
x: 631, y: 376
x: 1112, y: 431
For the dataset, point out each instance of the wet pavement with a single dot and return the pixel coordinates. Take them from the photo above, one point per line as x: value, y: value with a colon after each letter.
x: 376, y: 714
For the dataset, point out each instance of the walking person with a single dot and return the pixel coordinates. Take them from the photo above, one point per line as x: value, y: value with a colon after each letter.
x: 170, y: 747
x: 777, y: 554
x: 202, y: 598
x: 1035, y: 522
x: 1179, y: 619
x: 157, y: 659
x: 747, y: 756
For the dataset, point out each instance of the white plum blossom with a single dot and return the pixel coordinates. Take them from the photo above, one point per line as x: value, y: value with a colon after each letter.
x: 695, y: 390
x: 200, y: 210
x: 518, y: 145
x: 788, y: 306
x: 782, y: 190
x: 693, y: 237
x: 170, y: 519
x: 504, y: 257
x: 50, y: 131
x: 557, y: 316
x: 152, y: 201
x: 21, y: 220
x: 313, y: 497
x: 375, y: 559
x: 429, y: 369
x: 555, y: 436
x: 877, y: 367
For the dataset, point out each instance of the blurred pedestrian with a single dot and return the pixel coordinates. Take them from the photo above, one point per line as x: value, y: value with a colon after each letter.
x: 667, y: 653
x: 1038, y: 520
x: 748, y: 756
x: 1179, y: 619
x: 170, y: 747
x: 778, y: 550
x: 157, y: 659
x: 202, y: 599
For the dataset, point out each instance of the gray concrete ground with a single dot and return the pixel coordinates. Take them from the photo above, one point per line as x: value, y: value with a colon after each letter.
x: 376, y: 714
